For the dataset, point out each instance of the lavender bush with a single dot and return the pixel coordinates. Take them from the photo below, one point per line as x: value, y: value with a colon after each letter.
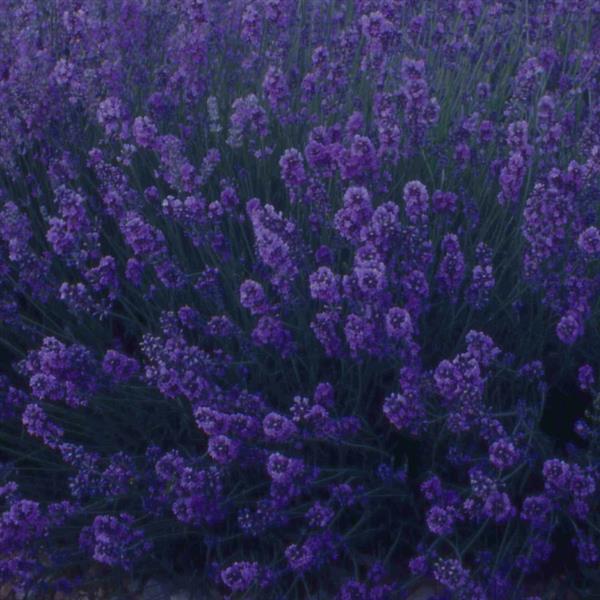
x: 301, y: 298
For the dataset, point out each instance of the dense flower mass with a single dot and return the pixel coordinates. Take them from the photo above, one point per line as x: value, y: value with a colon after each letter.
x: 300, y: 299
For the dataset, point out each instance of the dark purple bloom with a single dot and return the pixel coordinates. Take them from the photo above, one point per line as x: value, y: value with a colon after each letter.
x: 585, y: 377
x: 114, y: 541
x: 536, y: 509
x: 252, y: 297
x: 589, y: 241
x: 452, y: 266
x: 279, y: 428
x: 497, y: 506
x: 324, y: 285
x: 283, y: 469
x: 38, y: 425
x: 222, y: 449
x: 416, y: 202
x: 451, y: 573
x: 587, y: 550
x: 319, y: 515
x: 292, y: 168
x: 569, y: 328
x: 240, y: 575
x: 440, y: 520
x: 503, y: 454
x: 557, y: 474
x: 119, y: 366
x: 398, y: 323
x: 300, y: 558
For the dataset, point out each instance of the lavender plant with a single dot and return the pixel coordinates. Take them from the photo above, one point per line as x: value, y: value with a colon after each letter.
x: 300, y: 298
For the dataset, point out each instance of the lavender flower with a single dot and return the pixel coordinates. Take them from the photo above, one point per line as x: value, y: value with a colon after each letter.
x: 114, y: 541
x: 264, y: 262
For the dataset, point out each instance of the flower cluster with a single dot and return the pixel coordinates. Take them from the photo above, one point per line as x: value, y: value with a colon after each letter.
x: 300, y: 298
